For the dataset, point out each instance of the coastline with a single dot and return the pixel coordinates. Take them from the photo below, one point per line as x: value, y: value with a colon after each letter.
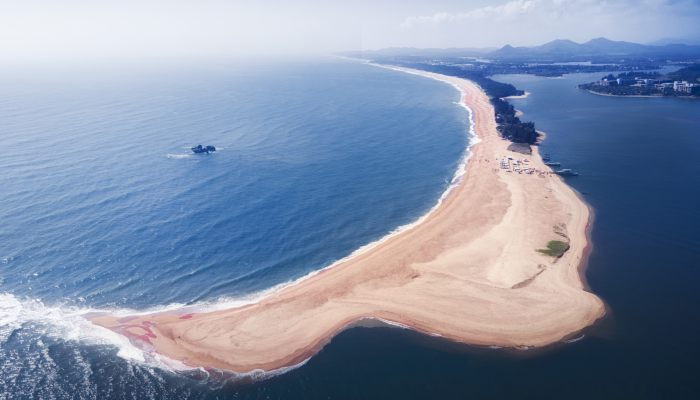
x: 522, y: 96
x: 453, y: 273
x: 640, y: 96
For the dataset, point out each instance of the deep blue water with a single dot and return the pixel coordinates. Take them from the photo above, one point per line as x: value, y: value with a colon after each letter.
x: 104, y: 207
x: 103, y: 202
x: 317, y: 160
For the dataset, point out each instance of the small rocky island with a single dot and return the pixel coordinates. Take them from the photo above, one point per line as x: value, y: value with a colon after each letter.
x: 199, y: 149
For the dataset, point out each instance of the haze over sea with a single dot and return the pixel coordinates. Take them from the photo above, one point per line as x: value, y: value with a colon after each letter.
x: 103, y: 207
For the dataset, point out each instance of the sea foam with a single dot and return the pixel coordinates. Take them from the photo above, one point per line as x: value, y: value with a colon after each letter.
x: 178, y: 156
x: 70, y: 323
x: 65, y: 323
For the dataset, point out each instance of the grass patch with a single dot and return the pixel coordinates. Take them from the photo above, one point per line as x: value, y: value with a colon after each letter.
x: 555, y: 248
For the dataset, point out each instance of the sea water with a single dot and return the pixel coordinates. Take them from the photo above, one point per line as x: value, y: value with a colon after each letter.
x: 109, y: 157
x: 104, y: 206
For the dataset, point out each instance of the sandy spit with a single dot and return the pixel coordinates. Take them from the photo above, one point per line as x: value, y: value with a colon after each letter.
x: 468, y: 272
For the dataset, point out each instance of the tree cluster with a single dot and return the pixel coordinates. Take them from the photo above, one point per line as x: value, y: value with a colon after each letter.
x: 509, y: 125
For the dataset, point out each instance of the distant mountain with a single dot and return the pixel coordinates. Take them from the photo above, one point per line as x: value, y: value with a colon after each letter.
x: 599, y: 50
x: 665, y: 41
x: 559, y: 46
x: 606, y: 46
x: 567, y: 49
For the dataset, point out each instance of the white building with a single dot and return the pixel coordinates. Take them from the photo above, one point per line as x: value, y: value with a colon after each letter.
x: 683, y: 87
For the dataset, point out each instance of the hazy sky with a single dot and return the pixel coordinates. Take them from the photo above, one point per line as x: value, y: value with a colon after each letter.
x: 67, y: 29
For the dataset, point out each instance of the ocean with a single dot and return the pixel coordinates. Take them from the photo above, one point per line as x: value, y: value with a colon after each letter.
x: 104, y: 208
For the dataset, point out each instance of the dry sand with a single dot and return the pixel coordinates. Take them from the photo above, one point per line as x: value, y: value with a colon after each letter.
x: 469, y: 272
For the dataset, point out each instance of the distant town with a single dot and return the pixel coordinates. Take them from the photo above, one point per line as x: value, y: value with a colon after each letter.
x: 682, y: 83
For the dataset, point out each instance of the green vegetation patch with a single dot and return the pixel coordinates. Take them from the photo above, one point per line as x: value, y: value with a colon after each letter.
x: 555, y: 248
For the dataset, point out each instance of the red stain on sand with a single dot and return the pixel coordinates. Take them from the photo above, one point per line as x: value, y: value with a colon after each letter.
x: 145, y: 335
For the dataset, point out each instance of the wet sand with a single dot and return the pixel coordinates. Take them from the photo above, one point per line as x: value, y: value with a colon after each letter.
x: 470, y: 272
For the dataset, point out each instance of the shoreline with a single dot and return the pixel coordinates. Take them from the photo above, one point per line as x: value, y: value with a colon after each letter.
x: 641, y: 96
x: 432, y: 276
x: 522, y: 96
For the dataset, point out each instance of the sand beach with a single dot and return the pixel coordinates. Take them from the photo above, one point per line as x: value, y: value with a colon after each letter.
x: 469, y: 271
